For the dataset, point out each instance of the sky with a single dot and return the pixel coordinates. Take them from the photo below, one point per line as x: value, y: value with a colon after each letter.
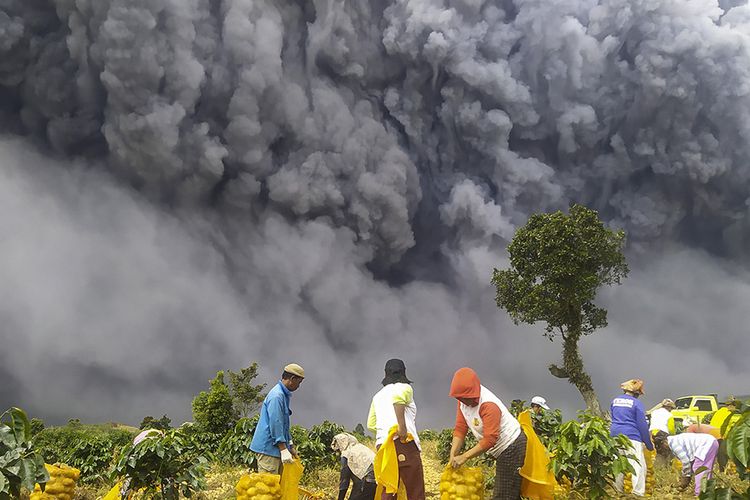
x: 190, y: 186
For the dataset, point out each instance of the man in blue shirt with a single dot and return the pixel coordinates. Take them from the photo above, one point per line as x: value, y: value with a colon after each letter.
x: 272, y: 441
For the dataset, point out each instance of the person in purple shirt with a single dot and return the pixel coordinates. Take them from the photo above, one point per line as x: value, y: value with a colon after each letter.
x: 629, y: 419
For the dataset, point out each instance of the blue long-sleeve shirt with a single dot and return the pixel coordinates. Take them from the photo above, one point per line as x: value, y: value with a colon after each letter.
x: 629, y: 419
x: 273, y: 425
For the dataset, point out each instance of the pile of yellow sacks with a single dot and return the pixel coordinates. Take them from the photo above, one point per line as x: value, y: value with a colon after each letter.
x: 61, y: 484
x: 258, y: 486
x: 463, y: 483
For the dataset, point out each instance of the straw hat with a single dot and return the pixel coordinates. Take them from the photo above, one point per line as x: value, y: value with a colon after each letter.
x: 634, y: 385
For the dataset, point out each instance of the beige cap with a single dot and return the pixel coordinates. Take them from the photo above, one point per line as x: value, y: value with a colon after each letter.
x: 295, y: 369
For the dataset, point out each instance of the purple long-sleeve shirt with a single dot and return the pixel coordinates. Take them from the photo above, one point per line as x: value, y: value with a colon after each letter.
x: 629, y: 419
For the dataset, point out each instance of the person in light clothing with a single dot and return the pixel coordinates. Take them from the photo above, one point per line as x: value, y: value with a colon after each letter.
x: 392, y: 406
x: 694, y: 451
x: 661, y: 416
x: 356, y: 467
x: 272, y: 441
x: 629, y: 419
x: 498, y: 432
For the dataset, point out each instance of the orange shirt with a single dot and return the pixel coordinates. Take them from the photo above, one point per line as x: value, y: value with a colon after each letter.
x: 490, y: 415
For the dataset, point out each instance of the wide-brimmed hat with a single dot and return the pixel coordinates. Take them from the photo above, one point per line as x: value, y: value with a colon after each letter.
x: 668, y: 403
x: 634, y: 385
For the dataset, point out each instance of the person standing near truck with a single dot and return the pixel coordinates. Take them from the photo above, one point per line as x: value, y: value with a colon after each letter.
x: 629, y: 419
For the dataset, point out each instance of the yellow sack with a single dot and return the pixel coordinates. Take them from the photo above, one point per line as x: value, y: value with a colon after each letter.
x: 258, y: 486
x: 61, y: 484
x: 537, y: 481
x: 290, y: 476
x: 462, y: 483
x: 385, y: 464
x: 114, y: 493
x: 401, y: 495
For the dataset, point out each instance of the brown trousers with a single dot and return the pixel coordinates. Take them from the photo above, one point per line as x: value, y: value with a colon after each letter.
x: 409, y: 471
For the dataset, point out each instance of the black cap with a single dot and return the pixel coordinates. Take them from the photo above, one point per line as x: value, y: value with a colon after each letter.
x: 395, y: 371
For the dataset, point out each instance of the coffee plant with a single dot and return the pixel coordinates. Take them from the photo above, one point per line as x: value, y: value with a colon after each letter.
x: 235, y: 446
x: 20, y: 465
x: 164, y: 466
x: 588, y: 457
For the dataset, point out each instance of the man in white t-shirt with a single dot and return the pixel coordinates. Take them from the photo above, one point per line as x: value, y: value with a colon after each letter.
x: 394, y: 405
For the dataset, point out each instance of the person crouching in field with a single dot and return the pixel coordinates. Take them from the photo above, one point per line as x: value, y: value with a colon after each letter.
x: 356, y: 467
x: 629, y: 419
x: 695, y: 451
x: 393, y: 406
x: 498, y: 432
x: 272, y: 441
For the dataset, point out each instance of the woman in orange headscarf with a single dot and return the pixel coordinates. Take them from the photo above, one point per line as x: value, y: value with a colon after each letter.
x: 498, y: 432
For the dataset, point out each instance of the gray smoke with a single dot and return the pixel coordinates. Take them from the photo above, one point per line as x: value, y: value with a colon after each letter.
x: 233, y: 180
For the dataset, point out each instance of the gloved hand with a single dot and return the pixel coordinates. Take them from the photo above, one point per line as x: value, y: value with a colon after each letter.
x: 286, y: 456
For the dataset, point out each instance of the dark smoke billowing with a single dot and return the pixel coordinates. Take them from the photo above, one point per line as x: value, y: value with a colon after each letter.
x: 203, y: 183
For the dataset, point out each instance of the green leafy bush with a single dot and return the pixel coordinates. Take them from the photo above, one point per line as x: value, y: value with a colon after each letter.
x: 235, y: 446
x: 547, y: 425
x: 214, y: 409
x: 91, y: 449
x: 20, y: 465
x: 738, y: 449
x: 587, y: 456
x: 314, y: 445
x: 165, y: 466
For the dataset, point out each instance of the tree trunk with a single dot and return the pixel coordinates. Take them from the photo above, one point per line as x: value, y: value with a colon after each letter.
x: 573, y: 370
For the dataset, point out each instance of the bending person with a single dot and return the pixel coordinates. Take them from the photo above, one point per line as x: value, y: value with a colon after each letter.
x: 498, y: 432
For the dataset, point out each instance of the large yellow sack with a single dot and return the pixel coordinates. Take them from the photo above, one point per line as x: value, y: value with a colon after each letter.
x: 538, y: 482
x: 290, y: 476
x: 462, y: 483
x: 400, y: 495
x: 258, y: 486
x: 61, y: 484
x: 385, y: 464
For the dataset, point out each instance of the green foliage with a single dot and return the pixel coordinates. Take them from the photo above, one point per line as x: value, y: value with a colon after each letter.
x: 428, y: 435
x: 314, y: 446
x: 149, y: 422
x: 235, y: 446
x: 715, y: 491
x: 91, y: 449
x: 20, y: 465
x: 37, y: 426
x: 547, y: 425
x: 360, y: 431
x: 557, y: 263
x: 247, y: 397
x: 214, y: 410
x: 588, y: 456
x: 166, y: 466
x: 517, y: 406
x: 738, y: 442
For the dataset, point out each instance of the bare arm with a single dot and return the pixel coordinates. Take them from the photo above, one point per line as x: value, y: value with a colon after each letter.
x: 400, y: 410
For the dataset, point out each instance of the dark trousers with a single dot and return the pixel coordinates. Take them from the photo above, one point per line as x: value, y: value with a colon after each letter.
x: 409, y: 471
x: 507, y: 476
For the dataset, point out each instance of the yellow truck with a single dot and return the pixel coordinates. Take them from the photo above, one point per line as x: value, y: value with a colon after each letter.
x: 697, y: 407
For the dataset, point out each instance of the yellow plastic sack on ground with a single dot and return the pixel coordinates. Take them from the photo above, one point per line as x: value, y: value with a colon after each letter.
x: 114, y: 493
x: 61, y: 484
x: 462, y: 483
x: 385, y: 464
x: 290, y: 476
x: 538, y: 482
x: 258, y: 486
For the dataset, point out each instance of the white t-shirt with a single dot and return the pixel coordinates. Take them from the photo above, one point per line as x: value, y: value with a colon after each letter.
x: 382, y: 415
x: 660, y: 420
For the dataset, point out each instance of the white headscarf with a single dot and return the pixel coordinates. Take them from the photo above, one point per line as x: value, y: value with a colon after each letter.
x: 358, y: 456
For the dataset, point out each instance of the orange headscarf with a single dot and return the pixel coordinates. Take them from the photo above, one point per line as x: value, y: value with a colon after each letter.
x: 465, y: 384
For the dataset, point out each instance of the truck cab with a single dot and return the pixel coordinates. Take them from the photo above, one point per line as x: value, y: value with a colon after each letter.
x: 696, y: 407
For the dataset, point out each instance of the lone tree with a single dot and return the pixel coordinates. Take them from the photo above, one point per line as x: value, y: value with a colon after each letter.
x: 557, y: 263
x: 247, y: 396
